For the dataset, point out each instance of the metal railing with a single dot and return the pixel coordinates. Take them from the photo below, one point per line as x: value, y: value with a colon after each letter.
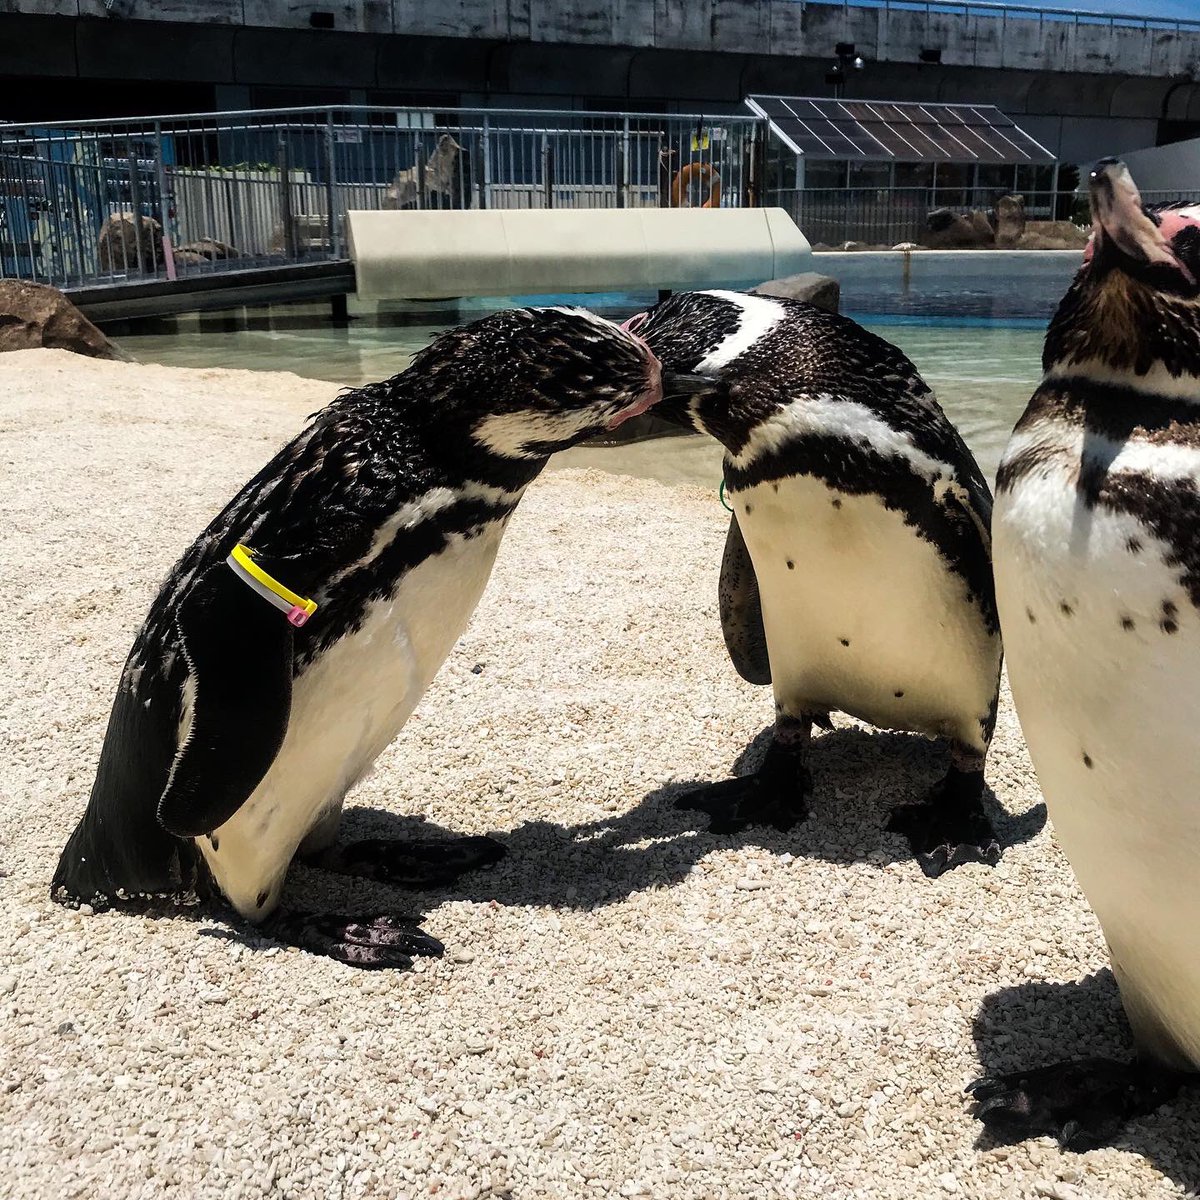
x: 100, y: 202
x: 1006, y: 12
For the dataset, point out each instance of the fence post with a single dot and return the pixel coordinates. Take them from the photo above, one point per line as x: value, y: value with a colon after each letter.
x: 419, y: 154
x: 164, y: 207
x: 622, y: 171
x: 283, y: 160
x: 335, y: 232
x: 665, y: 154
x: 548, y: 169
x: 485, y: 176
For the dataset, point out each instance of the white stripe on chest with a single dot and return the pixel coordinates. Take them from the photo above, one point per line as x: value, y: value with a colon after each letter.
x: 858, y: 608
x: 1109, y: 701
x: 347, y: 707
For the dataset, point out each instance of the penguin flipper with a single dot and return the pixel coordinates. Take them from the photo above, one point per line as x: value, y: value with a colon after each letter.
x: 239, y: 653
x: 741, y: 610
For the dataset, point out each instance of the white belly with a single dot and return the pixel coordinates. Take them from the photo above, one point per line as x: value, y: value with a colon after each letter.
x: 347, y: 707
x: 865, y: 611
x: 1109, y: 701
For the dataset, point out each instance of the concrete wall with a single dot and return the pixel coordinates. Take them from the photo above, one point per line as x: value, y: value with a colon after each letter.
x: 772, y: 27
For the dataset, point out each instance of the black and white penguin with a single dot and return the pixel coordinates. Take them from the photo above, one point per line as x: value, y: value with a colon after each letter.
x: 857, y: 572
x: 1097, y: 561
x: 293, y: 639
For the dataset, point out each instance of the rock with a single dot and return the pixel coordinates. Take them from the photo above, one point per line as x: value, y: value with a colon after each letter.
x: 1052, y: 235
x: 210, y: 249
x: 190, y: 258
x: 821, y: 290
x: 130, y: 243
x: 33, y: 315
x: 946, y: 230
x: 1010, y: 221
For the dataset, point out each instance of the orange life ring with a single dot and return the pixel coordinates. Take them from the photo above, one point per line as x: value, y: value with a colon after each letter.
x: 706, y: 171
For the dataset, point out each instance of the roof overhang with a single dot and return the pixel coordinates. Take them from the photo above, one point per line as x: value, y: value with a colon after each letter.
x: 891, y: 131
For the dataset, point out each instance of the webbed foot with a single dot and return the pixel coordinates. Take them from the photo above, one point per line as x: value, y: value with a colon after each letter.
x: 372, y: 942
x: 949, y: 828
x: 425, y: 863
x: 1083, y: 1103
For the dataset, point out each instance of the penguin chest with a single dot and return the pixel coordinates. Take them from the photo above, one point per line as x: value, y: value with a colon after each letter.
x: 1103, y: 647
x: 347, y: 706
x: 862, y: 615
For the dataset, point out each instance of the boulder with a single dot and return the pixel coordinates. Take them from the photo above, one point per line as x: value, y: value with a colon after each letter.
x: 33, y: 315
x: 190, y: 258
x: 118, y: 245
x: 210, y: 249
x: 821, y: 290
x: 1010, y: 221
x: 947, y: 230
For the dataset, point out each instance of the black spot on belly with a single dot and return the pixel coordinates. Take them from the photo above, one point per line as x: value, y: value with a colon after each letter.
x: 791, y: 565
x: 1169, y: 610
x: 1065, y: 608
x: 1032, y: 618
x: 844, y: 641
x: 775, y: 487
x: 1127, y: 623
x: 212, y: 838
x: 1087, y: 760
x: 1169, y: 626
x: 1134, y: 545
x: 836, y: 503
x: 749, y: 509
x: 262, y: 899
x: 898, y: 695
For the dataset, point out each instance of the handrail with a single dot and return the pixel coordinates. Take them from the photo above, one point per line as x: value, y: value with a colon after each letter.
x: 993, y: 8
x: 230, y: 115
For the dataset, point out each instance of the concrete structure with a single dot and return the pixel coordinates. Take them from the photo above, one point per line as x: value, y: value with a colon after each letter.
x: 435, y: 254
x: 1174, y: 169
x: 1080, y: 88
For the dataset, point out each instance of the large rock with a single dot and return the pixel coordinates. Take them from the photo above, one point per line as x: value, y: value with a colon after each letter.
x: 130, y: 243
x: 947, y: 230
x: 210, y: 249
x: 1010, y: 221
x: 821, y: 290
x: 33, y: 315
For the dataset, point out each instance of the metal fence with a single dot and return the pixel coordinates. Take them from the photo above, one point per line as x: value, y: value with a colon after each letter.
x: 95, y: 202
x: 890, y: 216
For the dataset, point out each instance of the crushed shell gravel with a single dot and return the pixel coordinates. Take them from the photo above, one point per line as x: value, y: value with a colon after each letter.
x: 627, y: 1007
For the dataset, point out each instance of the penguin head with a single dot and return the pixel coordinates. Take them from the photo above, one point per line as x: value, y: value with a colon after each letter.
x: 528, y: 382
x: 1136, y: 300
x: 689, y: 329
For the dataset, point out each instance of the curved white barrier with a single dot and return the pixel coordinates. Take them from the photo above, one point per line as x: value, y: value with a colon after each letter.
x: 514, y: 252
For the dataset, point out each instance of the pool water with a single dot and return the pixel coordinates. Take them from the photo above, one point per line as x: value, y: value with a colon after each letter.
x: 983, y: 372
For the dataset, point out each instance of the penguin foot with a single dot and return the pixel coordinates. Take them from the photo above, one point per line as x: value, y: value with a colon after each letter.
x: 374, y: 942
x: 1083, y: 1103
x: 951, y: 827
x: 733, y: 804
x: 427, y: 863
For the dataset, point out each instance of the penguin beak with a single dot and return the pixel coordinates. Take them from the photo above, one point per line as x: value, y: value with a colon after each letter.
x: 1118, y: 218
x: 686, y: 383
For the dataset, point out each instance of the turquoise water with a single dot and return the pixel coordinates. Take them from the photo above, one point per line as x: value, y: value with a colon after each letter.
x: 982, y: 371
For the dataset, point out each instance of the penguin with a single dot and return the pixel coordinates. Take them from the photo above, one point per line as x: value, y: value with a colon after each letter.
x: 291, y: 642
x: 856, y: 575
x: 1097, y: 565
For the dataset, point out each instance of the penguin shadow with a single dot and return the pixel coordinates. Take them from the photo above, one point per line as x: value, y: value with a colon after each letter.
x: 859, y: 777
x: 1034, y: 1024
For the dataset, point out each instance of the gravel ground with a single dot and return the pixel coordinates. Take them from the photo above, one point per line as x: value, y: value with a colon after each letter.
x: 627, y: 1007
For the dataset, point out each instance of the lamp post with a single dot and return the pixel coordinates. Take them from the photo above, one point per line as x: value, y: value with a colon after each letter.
x: 846, y: 60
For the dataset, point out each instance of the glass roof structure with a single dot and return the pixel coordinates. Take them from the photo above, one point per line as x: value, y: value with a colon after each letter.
x: 886, y: 131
